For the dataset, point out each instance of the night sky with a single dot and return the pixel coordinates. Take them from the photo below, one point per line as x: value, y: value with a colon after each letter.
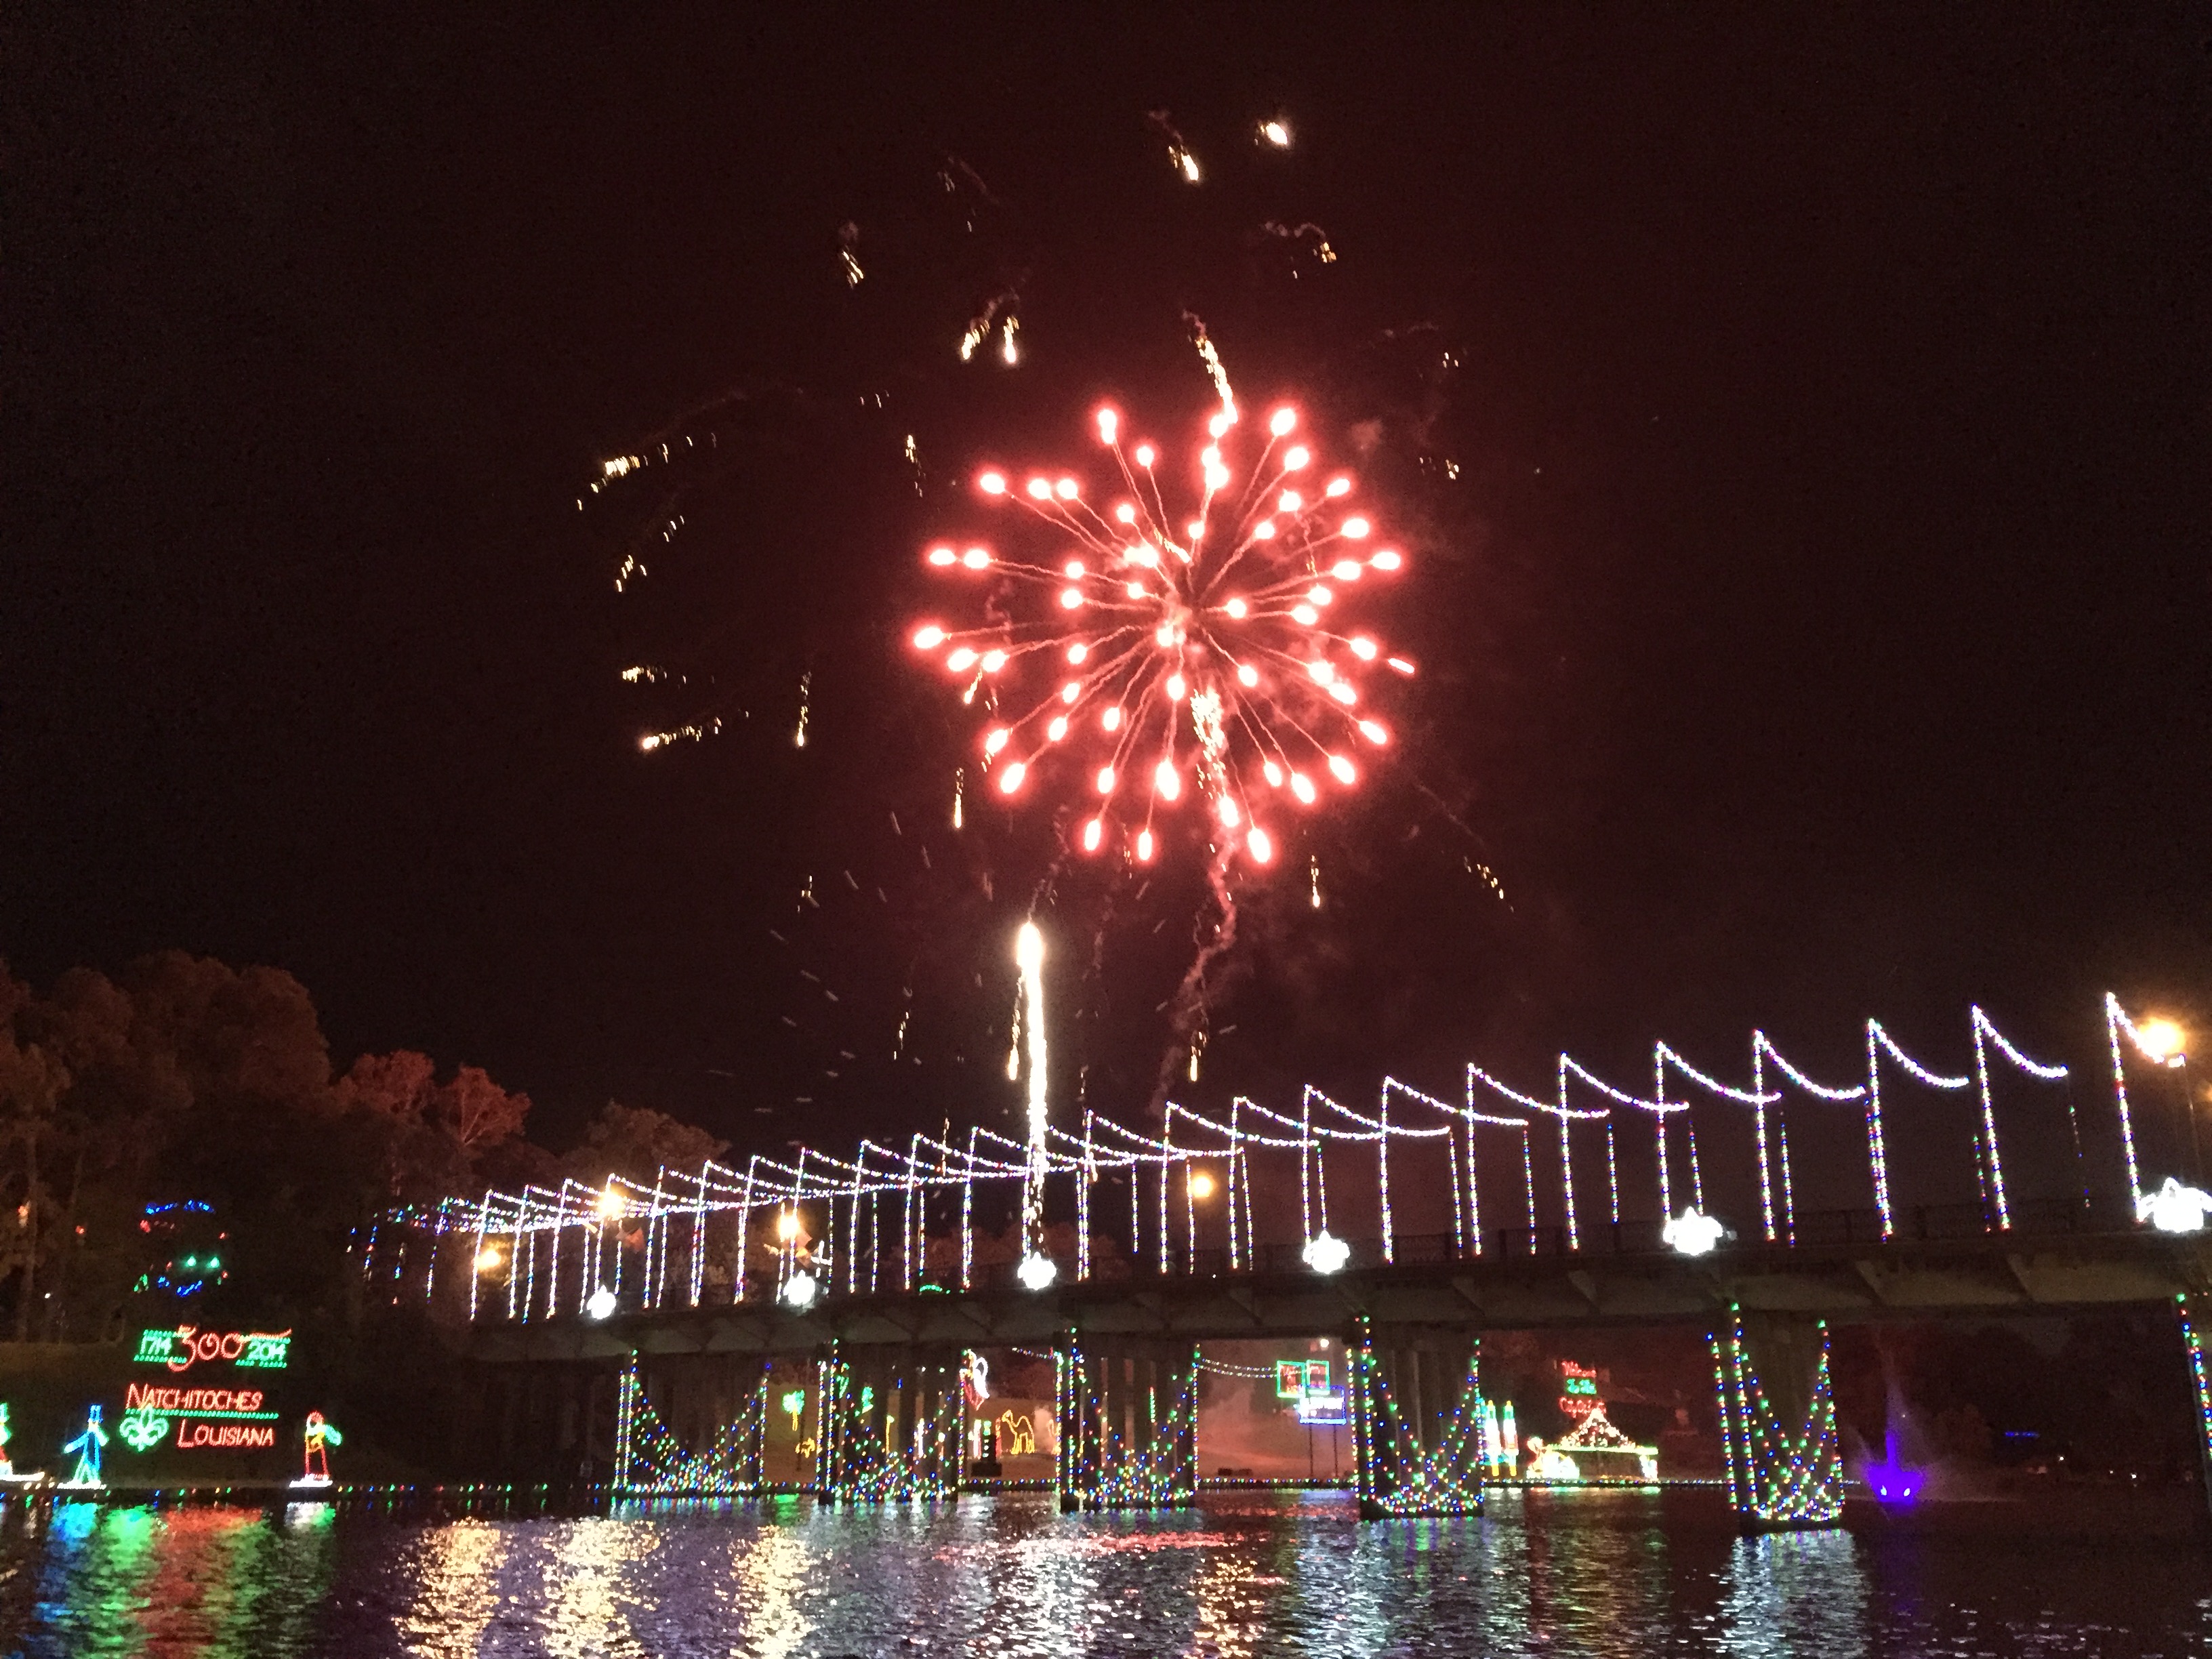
x: 1797, y: 421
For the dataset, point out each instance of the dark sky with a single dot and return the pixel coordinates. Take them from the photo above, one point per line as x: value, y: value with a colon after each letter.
x: 1815, y: 625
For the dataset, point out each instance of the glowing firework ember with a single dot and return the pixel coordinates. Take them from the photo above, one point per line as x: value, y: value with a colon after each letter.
x: 1181, y: 641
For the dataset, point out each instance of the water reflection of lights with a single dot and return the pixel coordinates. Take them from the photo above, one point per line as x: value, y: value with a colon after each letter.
x: 1125, y: 1543
x: 774, y: 1569
x: 1794, y: 1592
x: 1231, y: 1608
x: 1612, y: 1574
x: 591, y: 1593
x: 455, y: 1570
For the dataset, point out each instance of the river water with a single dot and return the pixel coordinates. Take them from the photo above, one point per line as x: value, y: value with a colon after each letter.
x: 1260, y: 1573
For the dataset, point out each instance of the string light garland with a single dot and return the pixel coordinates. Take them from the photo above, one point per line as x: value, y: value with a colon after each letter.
x: 2168, y: 1055
x: 1879, y: 1042
x: 650, y: 1460
x: 1098, y: 1469
x: 1985, y: 1033
x: 855, y: 1465
x: 1396, y: 1474
x: 2201, y: 1383
x: 578, y: 1249
x: 1779, y: 1474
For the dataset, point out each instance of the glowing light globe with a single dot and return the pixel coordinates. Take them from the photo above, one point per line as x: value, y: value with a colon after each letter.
x: 601, y: 1302
x: 1692, y: 1234
x: 800, y: 1290
x: 1325, y: 1253
x: 1037, y: 1270
x: 2174, y: 1208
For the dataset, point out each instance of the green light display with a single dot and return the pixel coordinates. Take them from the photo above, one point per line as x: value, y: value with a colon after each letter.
x: 187, y: 1345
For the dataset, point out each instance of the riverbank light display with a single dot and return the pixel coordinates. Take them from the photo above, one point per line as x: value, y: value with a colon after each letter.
x: 1594, y: 1452
x: 87, y: 1447
x: 208, y: 1397
x: 317, y: 1435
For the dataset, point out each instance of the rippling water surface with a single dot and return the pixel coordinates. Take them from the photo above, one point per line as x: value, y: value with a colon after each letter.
x: 1621, y: 1573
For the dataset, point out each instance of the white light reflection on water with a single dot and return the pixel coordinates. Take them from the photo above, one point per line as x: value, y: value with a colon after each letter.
x: 590, y: 1580
x: 456, y: 1566
x: 1794, y: 1592
x: 769, y: 1571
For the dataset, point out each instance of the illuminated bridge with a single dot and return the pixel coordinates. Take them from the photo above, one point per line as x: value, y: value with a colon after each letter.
x: 1122, y: 1251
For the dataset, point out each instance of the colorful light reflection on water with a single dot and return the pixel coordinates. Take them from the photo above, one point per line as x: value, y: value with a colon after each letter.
x: 1603, y: 1573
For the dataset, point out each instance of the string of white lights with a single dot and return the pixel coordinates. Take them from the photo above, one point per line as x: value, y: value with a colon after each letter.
x: 623, y: 1217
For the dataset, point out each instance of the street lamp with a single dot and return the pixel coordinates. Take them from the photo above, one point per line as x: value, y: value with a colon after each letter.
x: 489, y: 1259
x: 1201, y: 1185
x: 602, y: 1304
x: 1037, y: 1270
x: 2163, y: 1040
x: 800, y: 1290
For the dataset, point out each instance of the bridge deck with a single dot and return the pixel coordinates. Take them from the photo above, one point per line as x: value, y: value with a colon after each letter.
x: 1846, y: 1283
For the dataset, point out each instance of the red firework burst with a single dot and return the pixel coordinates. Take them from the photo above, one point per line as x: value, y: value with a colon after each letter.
x: 1157, y: 652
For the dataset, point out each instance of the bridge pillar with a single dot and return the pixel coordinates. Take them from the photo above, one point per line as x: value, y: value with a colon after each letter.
x: 1778, y: 1420
x: 894, y: 1425
x: 1417, y: 1425
x: 1128, y: 1421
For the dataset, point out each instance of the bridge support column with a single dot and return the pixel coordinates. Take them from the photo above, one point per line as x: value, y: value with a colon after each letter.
x: 2194, y: 1310
x: 1417, y: 1441
x: 893, y: 1424
x: 1128, y: 1421
x: 1778, y: 1420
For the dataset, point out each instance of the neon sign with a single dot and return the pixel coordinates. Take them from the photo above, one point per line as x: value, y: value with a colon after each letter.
x: 1322, y: 1409
x: 188, y: 1345
x: 227, y: 1436
x: 1578, y: 1386
x: 148, y: 1406
x: 1296, y: 1379
x: 195, y: 1402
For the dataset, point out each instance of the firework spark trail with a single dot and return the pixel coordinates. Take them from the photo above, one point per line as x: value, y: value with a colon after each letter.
x: 1188, y: 1009
x: 1195, y: 643
x: 1179, y: 156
